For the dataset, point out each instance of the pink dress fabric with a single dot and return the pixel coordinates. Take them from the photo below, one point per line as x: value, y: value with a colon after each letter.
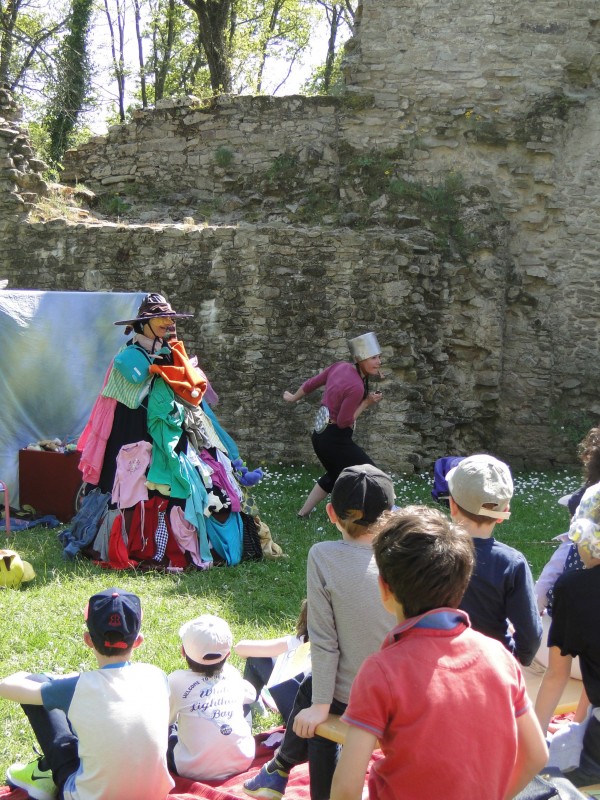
x: 187, y: 537
x: 130, y: 478
x: 92, y: 442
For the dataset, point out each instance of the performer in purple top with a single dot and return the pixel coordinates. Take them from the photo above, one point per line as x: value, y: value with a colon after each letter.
x: 345, y: 397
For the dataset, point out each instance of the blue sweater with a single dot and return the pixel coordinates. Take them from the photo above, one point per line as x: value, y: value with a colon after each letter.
x: 501, y: 592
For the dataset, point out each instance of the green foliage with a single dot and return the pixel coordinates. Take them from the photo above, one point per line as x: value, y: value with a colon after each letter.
x: 175, y: 64
x: 28, y: 38
x: 441, y: 202
x: 284, y: 172
x: 267, y: 30
x: 112, y: 205
x: 534, y: 123
x: 72, y: 81
x: 223, y: 156
x: 570, y: 425
x: 316, y: 84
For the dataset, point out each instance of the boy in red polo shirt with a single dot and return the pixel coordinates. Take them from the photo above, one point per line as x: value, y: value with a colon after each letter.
x: 447, y: 704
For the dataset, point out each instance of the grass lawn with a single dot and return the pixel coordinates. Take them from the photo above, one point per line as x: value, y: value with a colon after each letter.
x: 42, y: 624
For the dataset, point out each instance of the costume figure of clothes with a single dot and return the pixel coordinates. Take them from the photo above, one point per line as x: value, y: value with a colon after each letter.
x: 137, y: 449
x: 346, y: 623
x: 334, y: 446
x: 432, y: 672
x: 88, y: 722
x: 501, y: 589
x: 212, y: 740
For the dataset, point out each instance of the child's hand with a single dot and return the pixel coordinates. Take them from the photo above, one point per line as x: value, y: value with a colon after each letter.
x: 308, y: 719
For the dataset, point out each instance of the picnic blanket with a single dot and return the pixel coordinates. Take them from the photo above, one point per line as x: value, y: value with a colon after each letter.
x: 231, y: 789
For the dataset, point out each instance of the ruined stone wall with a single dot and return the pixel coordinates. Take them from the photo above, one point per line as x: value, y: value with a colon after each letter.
x: 20, y: 170
x: 424, y: 61
x: 274, y: 304
x: 508, y: 95
x: 211, y: 149
x: 306, y: 220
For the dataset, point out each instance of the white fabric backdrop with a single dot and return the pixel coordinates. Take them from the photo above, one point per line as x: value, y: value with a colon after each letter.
x: 55, y: 348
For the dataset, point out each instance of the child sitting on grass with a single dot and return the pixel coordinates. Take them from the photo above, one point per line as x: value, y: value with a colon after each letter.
x: 447, y: 704
x: 261, y: 656
x: 102, y: 733
x: 210, y: 738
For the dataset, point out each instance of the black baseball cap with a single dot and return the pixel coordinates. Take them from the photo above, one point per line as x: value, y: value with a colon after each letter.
x: 362, y: 488
x: 114, y: 611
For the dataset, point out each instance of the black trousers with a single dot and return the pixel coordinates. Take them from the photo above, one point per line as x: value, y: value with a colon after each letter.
x: 322, y: 754
x: 336, y: 449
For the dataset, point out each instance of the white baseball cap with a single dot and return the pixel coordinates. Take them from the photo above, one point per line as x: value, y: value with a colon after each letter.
x: 206, y: 639
x: 482, y: 485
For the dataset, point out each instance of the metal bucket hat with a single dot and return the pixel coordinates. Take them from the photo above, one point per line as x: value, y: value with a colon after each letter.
x: 364, y: 346
x: 152, y: 306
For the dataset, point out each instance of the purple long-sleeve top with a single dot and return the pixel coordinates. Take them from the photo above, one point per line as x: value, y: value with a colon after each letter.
x: 344, y: 391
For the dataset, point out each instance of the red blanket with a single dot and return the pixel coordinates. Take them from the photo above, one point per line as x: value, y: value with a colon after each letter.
x: 231, y: 789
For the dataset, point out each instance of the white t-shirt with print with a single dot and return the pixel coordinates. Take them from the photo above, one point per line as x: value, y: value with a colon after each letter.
x: 214, y: 739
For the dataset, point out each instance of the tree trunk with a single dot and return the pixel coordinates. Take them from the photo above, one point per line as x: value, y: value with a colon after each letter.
x: 163, y: 64
x: 72, y: 82
x: 118, y: 62
x: 138, y: 34
x: 334, y: 22
x: 213, y: 17
x: 278, y: 5
x: 8, y: 21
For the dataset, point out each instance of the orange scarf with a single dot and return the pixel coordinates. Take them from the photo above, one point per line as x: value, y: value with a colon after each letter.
x: 187, y: 381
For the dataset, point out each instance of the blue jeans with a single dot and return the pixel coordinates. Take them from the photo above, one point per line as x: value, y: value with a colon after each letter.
x: 57, y: 741
x: 322, y: 754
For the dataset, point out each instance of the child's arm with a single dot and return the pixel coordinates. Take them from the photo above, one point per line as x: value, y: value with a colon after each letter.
x: 20, y: 689
x: 552, y: 570
x: 521, y: 609
x: 261, y: 648
x: 349, y: 777
x: 582, y: 707
x: 553, y: 684
x: 307, y: 720
x: 532, y: 753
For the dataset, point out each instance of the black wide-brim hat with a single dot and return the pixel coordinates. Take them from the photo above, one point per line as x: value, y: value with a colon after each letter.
x: 152, y: 306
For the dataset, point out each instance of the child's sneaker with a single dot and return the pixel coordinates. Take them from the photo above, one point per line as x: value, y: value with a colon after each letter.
x: 37, y: 782
x: 269, y: 785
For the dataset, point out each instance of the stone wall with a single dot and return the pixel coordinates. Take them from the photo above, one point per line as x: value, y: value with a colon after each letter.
x: 210, y: 149
x: 274, y: 304
x: 21, y: 180
x: 449, y: 201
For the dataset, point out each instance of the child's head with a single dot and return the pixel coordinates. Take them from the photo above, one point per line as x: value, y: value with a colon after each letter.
x: 206, y: 643
x: 585, y: 527
x: 113, y: 619
x: 589, y: 455
x: 481, y: 486
x: 360, y: 496
x: 302, y: 621
x: 424, y: 558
